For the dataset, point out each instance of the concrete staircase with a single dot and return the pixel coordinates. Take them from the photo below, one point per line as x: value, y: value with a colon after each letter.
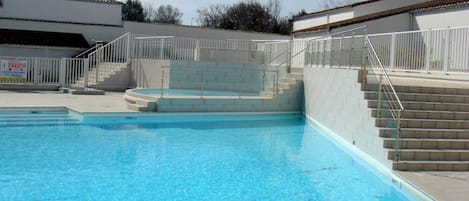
x: 109, y: 74
x: 285, y: 83
x: 435, y: 127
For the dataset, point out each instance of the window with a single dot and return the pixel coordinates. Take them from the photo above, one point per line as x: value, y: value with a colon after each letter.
x: 1, y: 3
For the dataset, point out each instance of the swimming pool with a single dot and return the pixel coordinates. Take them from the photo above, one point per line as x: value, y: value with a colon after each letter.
x: 191, y: 92
x: 274, y: 157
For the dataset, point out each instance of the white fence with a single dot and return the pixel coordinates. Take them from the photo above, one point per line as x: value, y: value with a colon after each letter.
x: 439, y: 50
x: 175, y: 48
x: 48, y: 71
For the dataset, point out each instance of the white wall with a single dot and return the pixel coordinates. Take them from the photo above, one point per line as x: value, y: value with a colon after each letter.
x: 333, y: 97
x: 382, y: 5
x: 309, y: 22
x: 441, y: 18
x: 351, y: 12
x: 36, y: 51
x: 63, y: 11
x: 108, y: 33
x: 392, y: 23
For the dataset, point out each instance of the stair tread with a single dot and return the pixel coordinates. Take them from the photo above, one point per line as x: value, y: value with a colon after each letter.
x: 430, y: 162
x: 433, y: 150
x: 440, y: 120
x: 431, y: 139
x: 426, y: 94
x: 435, y: 111
x: 420, y: 102
x: 429, y: 129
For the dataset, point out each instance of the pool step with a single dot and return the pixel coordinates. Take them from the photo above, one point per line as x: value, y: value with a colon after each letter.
x: 431, y: 165
x: 423, y: 114
x: 438, y: 144
x: 435, y: 106
x: 434, y: 133
x: 423, y: 97
x: 139, y: 103
x: 425, y: 133
x: 425, y: 123
x: 431, y: 155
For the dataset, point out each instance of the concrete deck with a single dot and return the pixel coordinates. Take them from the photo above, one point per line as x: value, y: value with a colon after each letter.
x: 442, y: 186
x: 111, y: 102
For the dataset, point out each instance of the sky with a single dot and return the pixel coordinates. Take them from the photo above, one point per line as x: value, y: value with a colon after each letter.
x: 189, y: 7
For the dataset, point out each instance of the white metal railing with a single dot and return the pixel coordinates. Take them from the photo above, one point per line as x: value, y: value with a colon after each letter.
x: 438, y: 50
x: 190, y: 49
x: 105, y: 60
x: 85, y: 53
x: 40, y: 71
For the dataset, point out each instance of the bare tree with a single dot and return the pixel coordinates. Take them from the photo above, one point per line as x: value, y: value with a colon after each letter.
x: 164, y: 14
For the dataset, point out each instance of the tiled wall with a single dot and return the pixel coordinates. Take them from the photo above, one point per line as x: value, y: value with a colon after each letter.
x: 291, y: 100
x: 219, y: 76
x: 334, y: 98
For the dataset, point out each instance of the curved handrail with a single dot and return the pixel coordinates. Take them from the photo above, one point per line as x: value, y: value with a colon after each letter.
x: 385, y: 73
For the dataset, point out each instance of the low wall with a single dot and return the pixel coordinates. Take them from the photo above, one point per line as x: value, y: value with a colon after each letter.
x: 333, y: 98
x: 147, y: 73
x: 217, y: 76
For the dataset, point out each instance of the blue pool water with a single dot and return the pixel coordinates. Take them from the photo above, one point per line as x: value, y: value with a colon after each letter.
x: 191, y: 92
x: 190, y: 158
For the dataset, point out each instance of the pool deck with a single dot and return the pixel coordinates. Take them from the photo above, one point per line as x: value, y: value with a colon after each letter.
x: 444, y: 186
x: 111, y: 102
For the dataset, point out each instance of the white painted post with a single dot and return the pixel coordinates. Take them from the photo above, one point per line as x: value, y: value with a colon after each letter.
x: 35, y: 70
x: 340, y: 50
x: 86, y: 64
x: 161, y: 48
x: 392, y: 56
x: 62, y: 71
x: 446, y: 53
x: 427, y: 50
x: 128, y: 48
x: 197, y: 50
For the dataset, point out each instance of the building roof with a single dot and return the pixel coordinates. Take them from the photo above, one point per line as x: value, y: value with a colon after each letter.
x: 42, y: 38
x: 419, y: 6
x: 102, y: 1
x: 336, y: 8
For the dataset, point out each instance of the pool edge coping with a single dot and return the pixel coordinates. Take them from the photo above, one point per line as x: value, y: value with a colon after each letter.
x: 396, y: 180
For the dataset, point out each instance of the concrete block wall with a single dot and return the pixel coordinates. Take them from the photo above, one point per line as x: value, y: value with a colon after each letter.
x: 333, y: 97
x: 291, y: 100
x: 218, y: 76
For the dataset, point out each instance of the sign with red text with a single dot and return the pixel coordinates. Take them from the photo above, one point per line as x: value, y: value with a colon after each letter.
x: 13, y: 69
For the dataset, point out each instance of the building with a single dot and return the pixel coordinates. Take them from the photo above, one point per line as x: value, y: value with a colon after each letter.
x: 382, y: 16
x: 102, y: 22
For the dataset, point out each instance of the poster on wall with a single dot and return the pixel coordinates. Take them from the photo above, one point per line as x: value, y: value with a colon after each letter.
x: 13, y: 69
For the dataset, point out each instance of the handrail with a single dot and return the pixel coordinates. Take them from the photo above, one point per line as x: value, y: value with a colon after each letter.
x: 400, y: 110
x: 95, y: 47
x: 316, y: 39
x: 385, y: 73
x: 109, y: 44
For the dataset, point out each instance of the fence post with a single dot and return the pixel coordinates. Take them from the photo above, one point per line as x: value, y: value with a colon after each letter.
x: 35, y: 70
x: 392, y: 56
x: 340, y: 50
x: 427, y: 50
x: 446, y: 53
x: 86, y: 64
x: 62, y: 71
x: 128, y: 48
x: 161, y: 48
x: 197, y: 50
